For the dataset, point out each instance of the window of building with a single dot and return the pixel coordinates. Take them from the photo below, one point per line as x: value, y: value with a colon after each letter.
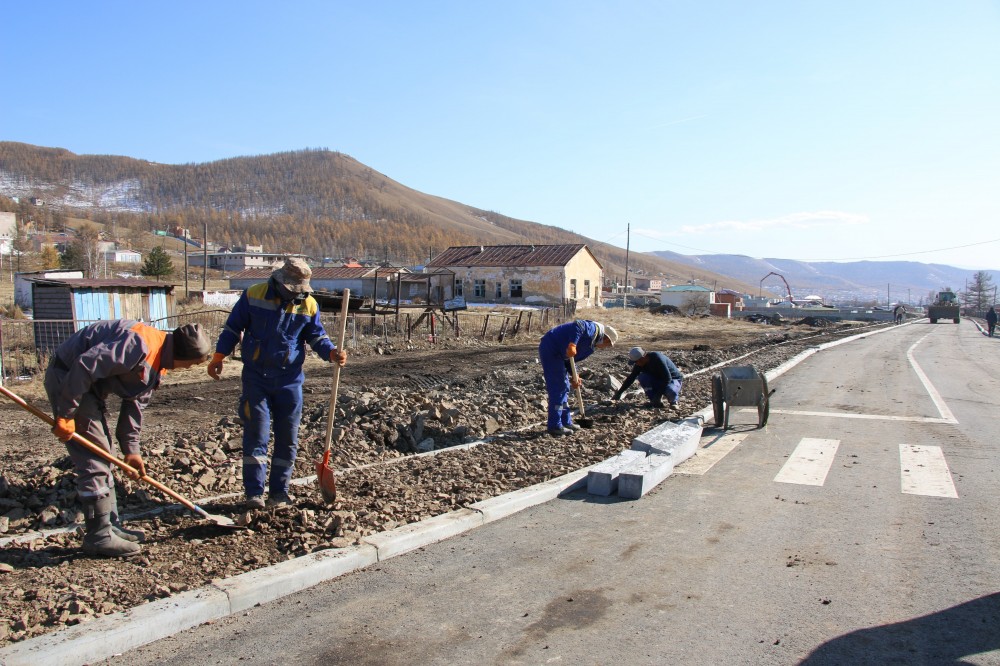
x: 479, y: 288
x: 515, y: 288
x: 499, y: 290
x: 586, y: 288
x: 459, y: 289
x: 572, y: 288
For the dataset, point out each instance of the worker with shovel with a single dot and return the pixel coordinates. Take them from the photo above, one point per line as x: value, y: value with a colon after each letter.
x: 275, y: 320
x: 126, y: 358
x: 573, y: 340
x: 658, y: 376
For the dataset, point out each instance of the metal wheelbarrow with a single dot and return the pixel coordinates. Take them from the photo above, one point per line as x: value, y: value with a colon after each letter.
x: 740, y: 386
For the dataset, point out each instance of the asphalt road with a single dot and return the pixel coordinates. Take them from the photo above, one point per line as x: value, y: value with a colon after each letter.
x: 860, y: 526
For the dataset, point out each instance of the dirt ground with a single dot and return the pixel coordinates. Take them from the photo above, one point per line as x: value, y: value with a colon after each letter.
x: 394, y: 403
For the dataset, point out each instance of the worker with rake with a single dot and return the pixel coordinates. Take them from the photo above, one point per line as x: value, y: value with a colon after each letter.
x: 275, y: 320
x: 577, y: 340
x: 126, y: 358
x: 658, y: 376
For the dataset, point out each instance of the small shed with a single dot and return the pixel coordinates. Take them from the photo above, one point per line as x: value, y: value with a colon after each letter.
x: 23, y: 282
x: 64, y: 306
x: 688, y: 297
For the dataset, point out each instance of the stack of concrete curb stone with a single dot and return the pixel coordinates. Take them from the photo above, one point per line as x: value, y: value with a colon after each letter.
x: 652, y: 458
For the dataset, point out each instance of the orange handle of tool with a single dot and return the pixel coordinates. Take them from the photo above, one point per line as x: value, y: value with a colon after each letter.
x: 96, y: 450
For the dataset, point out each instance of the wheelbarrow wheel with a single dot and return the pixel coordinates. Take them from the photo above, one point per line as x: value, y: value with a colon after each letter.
x: 764, y: 406
x: 718, y: 408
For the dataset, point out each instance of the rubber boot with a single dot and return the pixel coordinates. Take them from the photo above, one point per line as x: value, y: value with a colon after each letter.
x: 99, y: 538
x: 129, y: 534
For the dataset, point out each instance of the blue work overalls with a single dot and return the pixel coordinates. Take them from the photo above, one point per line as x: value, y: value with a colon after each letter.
x: 555, y: 365
x: 274, y: 335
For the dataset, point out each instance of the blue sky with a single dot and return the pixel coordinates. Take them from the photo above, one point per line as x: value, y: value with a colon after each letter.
x: 795, y: 129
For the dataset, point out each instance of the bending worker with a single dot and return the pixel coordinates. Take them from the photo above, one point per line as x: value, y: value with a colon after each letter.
x: 275, y: 320
x: 657, y: 375
x: 126, y: 358
x: 575, y: 339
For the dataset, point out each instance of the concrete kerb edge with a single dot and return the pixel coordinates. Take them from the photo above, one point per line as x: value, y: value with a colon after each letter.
x: 110, y: 635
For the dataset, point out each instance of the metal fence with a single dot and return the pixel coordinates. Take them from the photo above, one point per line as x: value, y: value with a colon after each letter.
x: 26, y: 344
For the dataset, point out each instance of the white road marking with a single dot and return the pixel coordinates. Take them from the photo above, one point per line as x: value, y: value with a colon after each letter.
x: 810, y: 462
x: 706, y: 457
x: 924, y: 471
x: 873, y: 417
x: 935, y: 396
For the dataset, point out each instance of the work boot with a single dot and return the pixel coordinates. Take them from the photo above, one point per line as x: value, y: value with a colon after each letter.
x: 254, y: 502
x: 279, y: 499
x: 558, y: 432
x: 99, y: 538
x: 129, y: 534
x: 572, y: 427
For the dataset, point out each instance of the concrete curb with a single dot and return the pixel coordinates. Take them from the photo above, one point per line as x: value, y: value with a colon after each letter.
x: 110, y: 635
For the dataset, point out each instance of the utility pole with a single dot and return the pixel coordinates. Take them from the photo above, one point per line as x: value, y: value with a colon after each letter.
x: 628, y: 229
x: 204, y: 257
x: 187, y: 292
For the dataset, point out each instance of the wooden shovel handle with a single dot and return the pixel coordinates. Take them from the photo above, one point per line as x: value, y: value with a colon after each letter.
x: 336, y: 374
x: 98, y: 451
x: 576, y: 381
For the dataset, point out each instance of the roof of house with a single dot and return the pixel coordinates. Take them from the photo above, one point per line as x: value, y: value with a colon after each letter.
x: 89, y: 283
x: 686, y: 287
x: 510, y: 255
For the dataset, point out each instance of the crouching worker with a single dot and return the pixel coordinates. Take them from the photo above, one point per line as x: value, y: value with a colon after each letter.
x: 126, y: 358
x: 657, y: 374
x: 575, y: 339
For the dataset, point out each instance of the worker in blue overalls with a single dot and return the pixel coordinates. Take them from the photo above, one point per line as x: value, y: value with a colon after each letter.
x: 578, y: 340
x: 275, y: 320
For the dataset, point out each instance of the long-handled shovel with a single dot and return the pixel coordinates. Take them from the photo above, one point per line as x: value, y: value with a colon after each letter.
x: 583, y: 421
x: 324, y: 475
x: 221, y: 521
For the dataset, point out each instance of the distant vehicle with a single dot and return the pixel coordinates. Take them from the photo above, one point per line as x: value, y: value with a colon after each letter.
x: 945, y: 307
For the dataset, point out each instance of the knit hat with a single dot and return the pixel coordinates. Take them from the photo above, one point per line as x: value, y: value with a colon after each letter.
x: 635, y: 354
x: 191, y: 343
x: 294, y: 275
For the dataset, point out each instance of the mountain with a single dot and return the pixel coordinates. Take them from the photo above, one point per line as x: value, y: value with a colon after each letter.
x: 881, y: 281
x: 316, y: 202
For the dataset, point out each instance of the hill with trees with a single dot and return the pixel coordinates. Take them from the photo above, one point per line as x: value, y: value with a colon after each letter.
x: 316, y: 202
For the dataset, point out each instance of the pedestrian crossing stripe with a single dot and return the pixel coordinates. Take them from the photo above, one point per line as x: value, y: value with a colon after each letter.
x: 923, y: 469
x: 810, y: 462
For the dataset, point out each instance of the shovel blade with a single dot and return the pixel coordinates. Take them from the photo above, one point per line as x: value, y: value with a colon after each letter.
x: 327, y: 482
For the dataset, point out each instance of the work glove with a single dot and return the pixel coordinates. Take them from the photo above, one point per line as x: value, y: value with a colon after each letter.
x: 215, y: 366
x: 571, y: 350
x: 134, y: 460
x: 64, y: 429
x: 575, y: 383
x: 339, y: 357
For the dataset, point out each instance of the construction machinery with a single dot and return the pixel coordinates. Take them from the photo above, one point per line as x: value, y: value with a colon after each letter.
x: 945, y: 307
x: 791, y: 300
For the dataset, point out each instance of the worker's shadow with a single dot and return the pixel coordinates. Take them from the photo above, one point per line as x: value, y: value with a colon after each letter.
x: 944, y: 637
